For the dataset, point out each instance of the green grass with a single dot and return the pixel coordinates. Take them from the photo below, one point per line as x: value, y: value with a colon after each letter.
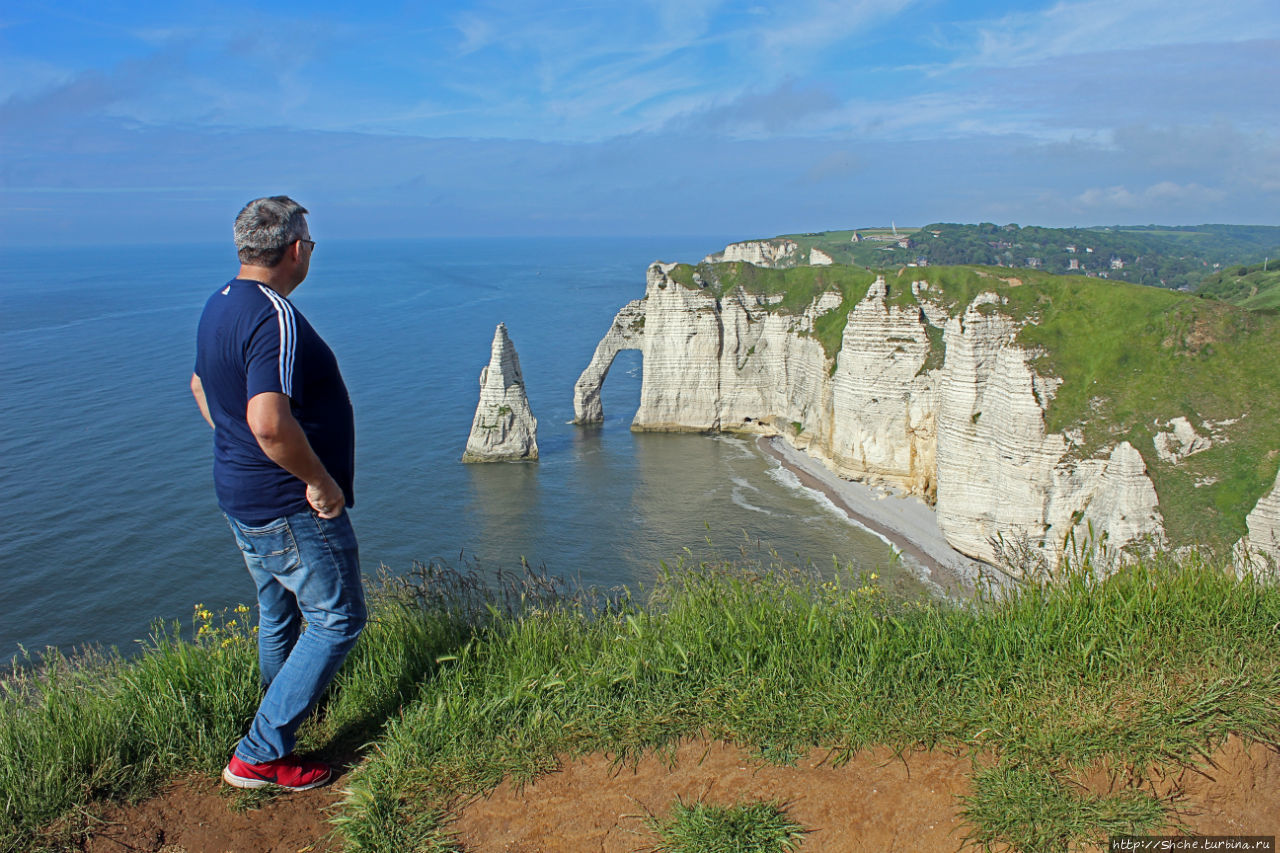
x: 1035, y: 809
x: 1254, y: 287
x: 799, y: 286
x: 455, y: 687
x: 97, y: 727
x: 1173, y: 257
x: 1148, y: 667
x: 839, y: 247
x: 747, y: 827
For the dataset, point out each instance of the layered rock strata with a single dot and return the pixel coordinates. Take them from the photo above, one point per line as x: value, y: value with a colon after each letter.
x: 504, y: 428
x: 967, y: 433
x: 625, y: 333
x: 1259, y: 550
x: 1004, y: 484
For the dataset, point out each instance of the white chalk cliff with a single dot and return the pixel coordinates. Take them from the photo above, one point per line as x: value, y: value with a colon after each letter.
x: 1180, y: 441
x: 624, y: 334
x: 967, y: 433
x: 778, y: 253
x: 1259, y: 550
x: 762, y: 253
x: 504, y: 428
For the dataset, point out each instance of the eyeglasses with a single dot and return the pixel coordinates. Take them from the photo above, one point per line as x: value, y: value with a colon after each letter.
x: 311, y: 243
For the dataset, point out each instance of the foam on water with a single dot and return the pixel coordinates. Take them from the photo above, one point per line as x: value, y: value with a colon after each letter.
x: 740, y: 486
x: 788, y: 479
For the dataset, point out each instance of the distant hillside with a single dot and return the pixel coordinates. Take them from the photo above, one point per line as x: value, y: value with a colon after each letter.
x: 1177, y: 257
x: 1256, y: 286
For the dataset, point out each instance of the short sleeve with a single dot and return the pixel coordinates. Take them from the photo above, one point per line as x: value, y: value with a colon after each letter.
x: 271, y: 350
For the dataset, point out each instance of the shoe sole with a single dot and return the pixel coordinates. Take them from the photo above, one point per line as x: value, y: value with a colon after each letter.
x: 243, y: 782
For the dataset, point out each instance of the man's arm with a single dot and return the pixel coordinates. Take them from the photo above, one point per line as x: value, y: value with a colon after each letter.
x: 197, y: 391
x: 282, y: 439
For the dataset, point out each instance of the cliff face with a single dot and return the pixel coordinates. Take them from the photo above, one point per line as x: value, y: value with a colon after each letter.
x: 625, y: 333
x: 967, y: 432
x: 778, y: 253
x: 1002, y: 480
x: 1259, y: 551
x: 504, y: 428
x: 762, y: 253
x: 880, y: 375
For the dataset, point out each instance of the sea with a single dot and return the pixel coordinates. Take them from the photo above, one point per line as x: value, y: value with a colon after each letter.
x: 110, y: 519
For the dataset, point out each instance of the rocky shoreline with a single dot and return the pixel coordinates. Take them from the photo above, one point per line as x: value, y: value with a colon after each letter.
x: 906, y: 522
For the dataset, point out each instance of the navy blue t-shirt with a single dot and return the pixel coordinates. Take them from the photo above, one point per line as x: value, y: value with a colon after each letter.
x: 252, y: 340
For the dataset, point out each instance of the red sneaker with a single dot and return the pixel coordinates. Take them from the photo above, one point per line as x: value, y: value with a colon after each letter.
x: 290, y: 773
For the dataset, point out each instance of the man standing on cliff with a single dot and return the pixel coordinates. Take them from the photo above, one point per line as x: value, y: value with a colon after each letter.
x: 284, y: 462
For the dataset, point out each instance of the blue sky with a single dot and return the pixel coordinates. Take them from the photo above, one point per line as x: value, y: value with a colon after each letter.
x: 142, y: 121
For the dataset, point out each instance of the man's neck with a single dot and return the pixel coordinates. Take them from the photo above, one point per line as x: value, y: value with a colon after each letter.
x: 273, y: 277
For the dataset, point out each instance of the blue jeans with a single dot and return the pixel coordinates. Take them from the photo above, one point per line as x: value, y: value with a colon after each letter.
x: 305, y: 567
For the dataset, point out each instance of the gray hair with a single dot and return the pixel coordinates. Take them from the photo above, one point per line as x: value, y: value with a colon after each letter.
x: 268, y: 226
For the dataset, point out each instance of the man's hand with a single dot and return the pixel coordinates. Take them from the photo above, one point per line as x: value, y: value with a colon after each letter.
x: 282, y: 439
x: 327, y: 501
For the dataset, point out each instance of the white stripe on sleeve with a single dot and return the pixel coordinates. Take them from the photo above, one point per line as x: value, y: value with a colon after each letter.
x: 288, y: 337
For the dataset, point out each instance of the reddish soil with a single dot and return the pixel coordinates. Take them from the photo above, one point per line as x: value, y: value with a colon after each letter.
x: 201, y: 815
x: 876, y: 802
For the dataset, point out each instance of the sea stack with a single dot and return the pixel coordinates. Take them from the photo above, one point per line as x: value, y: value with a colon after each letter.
x: 504, y: 429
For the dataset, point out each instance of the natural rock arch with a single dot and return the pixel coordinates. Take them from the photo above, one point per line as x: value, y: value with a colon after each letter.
x: 627, y: 332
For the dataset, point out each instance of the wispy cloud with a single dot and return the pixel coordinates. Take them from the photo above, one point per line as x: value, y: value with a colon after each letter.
x: 811, y: 27
x: 26, y: 76
x: 787, y: 108
x: 116, y: 190
x: 571, y: 114
x: 379, y: 185
x: 1076, y: 27
x: 477, y: 31
x: 609, y: 73
x: 1165, y: 192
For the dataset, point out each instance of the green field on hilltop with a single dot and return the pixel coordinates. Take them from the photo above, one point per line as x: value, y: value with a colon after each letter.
x: 1132, y: 358
x: 875, y: 247
x: 1174, y: 257
x: 1255, y: 287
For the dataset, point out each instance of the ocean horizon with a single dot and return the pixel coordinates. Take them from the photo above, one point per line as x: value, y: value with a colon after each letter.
x: 107, y: 460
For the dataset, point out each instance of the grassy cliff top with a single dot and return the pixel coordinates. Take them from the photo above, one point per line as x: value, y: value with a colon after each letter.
x: 1256, y: 286
x: 1132, y: 358
x: 455, y: 686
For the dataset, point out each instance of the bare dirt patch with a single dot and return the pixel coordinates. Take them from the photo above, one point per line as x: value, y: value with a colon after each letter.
x: 1202, y: 333
x: 1236, y: 792
x: 878, y: 801
x: 199, y: 815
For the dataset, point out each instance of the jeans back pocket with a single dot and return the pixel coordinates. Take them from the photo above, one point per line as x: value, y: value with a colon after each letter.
x: 270, y: 547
